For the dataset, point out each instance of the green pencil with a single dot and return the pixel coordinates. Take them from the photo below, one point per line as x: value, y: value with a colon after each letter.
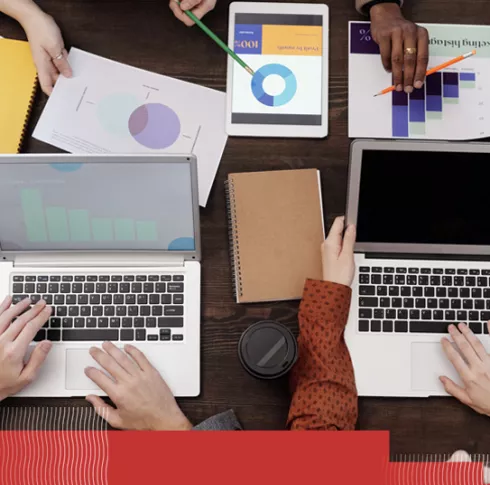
x: 217, y: 40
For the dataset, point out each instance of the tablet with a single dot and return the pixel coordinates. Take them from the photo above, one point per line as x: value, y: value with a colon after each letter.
x: 286, y: 45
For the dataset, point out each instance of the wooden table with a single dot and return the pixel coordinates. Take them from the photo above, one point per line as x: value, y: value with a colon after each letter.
x: 145, y: 34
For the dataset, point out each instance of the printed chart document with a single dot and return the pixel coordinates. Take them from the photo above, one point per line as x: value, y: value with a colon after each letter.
x: 453, y: 104
x: 108, y: 107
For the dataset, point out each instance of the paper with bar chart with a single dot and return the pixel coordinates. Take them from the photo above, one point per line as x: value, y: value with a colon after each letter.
x: 453, y: 104
x: 108, y: 107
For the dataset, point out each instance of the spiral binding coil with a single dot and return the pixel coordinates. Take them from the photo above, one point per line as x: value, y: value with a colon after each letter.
x: 28, y: 114
x: 236, y: 268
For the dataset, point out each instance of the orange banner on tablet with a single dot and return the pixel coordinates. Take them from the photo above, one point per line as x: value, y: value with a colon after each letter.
x: 293, y: 40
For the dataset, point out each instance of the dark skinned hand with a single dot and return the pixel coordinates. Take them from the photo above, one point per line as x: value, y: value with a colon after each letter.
x: 394, y: 34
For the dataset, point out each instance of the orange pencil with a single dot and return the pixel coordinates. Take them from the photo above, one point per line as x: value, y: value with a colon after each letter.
x: 434, y: 69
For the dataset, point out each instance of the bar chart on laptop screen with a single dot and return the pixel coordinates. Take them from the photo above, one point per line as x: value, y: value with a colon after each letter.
x: 59, y: 224
x: 453, y: 103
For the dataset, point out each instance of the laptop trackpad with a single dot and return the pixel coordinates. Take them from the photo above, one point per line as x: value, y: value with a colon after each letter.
x: 76, y: 361
x: 428, y: 363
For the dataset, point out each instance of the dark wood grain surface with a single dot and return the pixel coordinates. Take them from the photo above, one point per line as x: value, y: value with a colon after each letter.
x: 144, y: 33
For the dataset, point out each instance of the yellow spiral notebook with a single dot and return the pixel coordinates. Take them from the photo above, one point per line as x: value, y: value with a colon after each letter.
x: 17, y: 89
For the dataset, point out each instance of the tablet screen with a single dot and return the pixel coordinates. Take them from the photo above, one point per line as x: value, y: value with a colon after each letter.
x: 285, y: 51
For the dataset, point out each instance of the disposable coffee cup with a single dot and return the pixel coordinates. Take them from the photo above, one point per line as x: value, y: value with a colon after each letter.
x: 267, y: 350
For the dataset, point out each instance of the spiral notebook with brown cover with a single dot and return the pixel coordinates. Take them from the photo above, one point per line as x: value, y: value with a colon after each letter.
x: 276, y: 231
x: 17, y: 89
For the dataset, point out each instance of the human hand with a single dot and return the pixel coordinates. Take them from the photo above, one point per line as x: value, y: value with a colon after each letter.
x: 15, y: 374
x: 395, y: 35
x: 338, y: 253
x: 143, y: 399
x: 48, y: 49
x: 473, y: 366
x: 198, y: 7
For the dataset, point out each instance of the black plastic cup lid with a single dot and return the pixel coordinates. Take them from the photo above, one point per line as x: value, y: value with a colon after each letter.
x: 267, y: 350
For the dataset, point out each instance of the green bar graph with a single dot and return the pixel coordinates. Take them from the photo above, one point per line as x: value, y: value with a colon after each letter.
x: 79, y: 225
x: 57, y: 224
x: 32, y: 208
x: 124, y: 229
x: 102, y: 229
x: 146, y: 230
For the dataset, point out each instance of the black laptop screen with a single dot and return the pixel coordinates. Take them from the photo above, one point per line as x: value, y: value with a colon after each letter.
x: 424, y: 198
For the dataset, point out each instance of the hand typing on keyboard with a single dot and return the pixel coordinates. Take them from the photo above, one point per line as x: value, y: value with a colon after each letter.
x: 474, y: 369
x: 15, y: 373
x: 338, y: 254
x: 143, y: 399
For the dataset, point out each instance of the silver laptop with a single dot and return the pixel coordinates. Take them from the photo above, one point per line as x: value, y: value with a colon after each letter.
x: 112, y: 243
x: 423, y: 259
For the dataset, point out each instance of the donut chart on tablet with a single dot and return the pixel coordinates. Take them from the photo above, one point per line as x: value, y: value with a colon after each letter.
x: 154, y: 126
x: 287, y: 94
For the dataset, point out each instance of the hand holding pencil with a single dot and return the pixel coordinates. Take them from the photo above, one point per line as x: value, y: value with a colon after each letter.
x: 434, y: 69
x: 199, y: 8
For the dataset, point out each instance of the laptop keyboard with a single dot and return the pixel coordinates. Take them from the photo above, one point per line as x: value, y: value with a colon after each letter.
x: 125, y: 307
x: 422, y: 300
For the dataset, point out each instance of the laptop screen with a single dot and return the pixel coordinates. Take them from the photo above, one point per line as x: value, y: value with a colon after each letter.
x: 417, y: 197
x: 96, y: 206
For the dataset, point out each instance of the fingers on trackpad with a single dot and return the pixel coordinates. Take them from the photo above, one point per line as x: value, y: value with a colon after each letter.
x: 76, y: 362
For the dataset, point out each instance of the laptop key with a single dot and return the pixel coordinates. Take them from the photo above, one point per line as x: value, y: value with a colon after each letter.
x: 140, y: 334
x: 121, y: 311
x: 17, y: 278
x: 479, y: 304
x: 153, y: 277
x: 92, y: 278
x: 116, y: 277
x: 151, y: 322
x: 30, y: 288
x: 470, y: 280
x: 167, y: 322
x: 438, y: 271
x: 393, y: 291
x: 456, y: 304
x: 79, y: 278
x: 174, y: 310
x: 426, y: 314
x: 143, y: 299
x: 363, y: 290
x: 65, y: 287
x: 390, y: 314
x: 67, y: 278
x: 441, y: 292
x: 468, y: 304
x: 428, y: 327
x: 127, y: 334
x: 474, y: 271
x: 40, y: 335
x: 387, y: 326
x: 114, y: 322
x: 363, y: 325
x: 414, y: 314
x: 475, y: 327
x: 127, y: 322
x: 384, y: 302
x: 83, y: 299
x: 85, y: 311
x: 91, y: 322
x: 167, y: 277
x: 112, y: 288
x: 429, y: 292
x: 431, y: 303
x: 379, y: 314
x: 109, y: 311
x: 179, y: 337
x: 71, y: 299
x: 94, y: 299
x: 73, y: 311
x: 88, y: 288
x: 54, y: 335
x: 420, y: 303
x: 162, y: 287
x: 366, y: 302
x: 405, y: 291
x: 101, y: 287
x: 128, y: 277
x: 91, y: 334
x: 423, y: 280
x: 178, y: 299
x: 167, y: 299
x: 139, y: 322
x: 61, y: 311
x: 118, y: 299
x: 450, y: 315
x: 18, y: 298
x: 55, y: 322
x: 35, y: 299
x: 473, y: 316
x: 464, y: 292
x: 417, y: 291
x: 485, y: 316
x: 399, y: 279
x: 103, y: 322
x: 402, y: 315
x: 145, y: 311
x: 67, y: 322
x: 79, y: 322
x: 48, y: 299
x: 179, y: 287
x: 408, y: 303
x: 152, y: 337
x: 375, y: 279
x: 363, y: 269
x: 130, y: 299
x: 401, y: 326
x: 438, y: 315
x: 125, y: 288
x: 53, y: 288
x: 444, y: 303
x: 148, y: 287
x: 104, y: 278
x: 97, y: 311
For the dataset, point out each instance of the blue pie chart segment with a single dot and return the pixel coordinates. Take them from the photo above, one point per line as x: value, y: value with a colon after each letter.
x: 281, y: 99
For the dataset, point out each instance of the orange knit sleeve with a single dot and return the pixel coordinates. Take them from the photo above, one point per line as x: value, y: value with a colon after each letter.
x: 322, y: 381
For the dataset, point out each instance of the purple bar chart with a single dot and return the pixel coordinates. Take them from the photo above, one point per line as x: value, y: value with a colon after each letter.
x: 410, y: 113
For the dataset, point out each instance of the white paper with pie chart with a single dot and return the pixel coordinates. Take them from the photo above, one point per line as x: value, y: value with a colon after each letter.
x: 108, y: 107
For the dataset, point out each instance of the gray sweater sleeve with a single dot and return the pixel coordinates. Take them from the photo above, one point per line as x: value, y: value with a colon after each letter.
x: 226, y: 421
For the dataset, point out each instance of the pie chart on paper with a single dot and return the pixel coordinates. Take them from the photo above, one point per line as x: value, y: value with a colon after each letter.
x: 155, y: 126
